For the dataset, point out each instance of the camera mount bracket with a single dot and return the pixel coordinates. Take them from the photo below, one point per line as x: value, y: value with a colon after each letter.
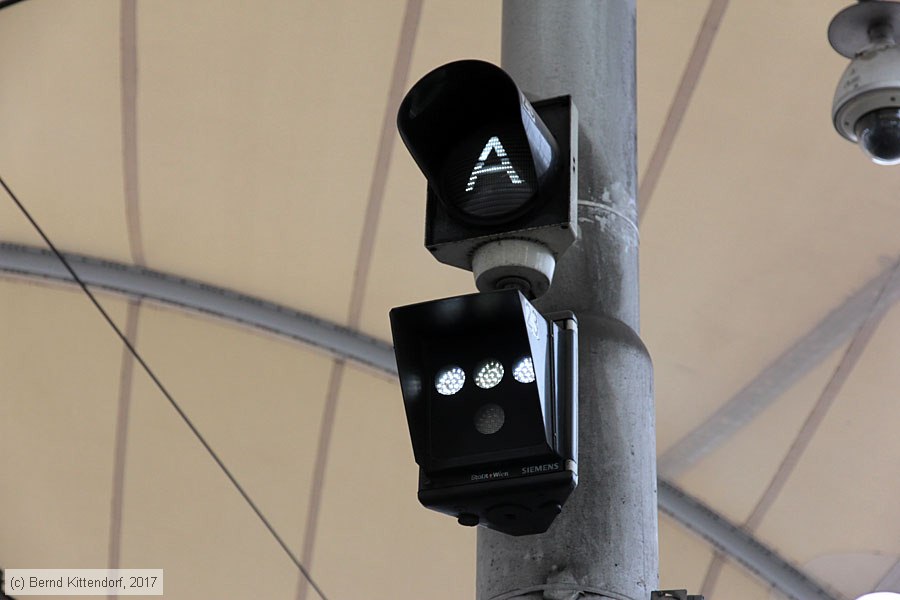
x: 859, y: 26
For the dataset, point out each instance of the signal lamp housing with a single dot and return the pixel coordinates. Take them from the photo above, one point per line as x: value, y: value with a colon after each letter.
x: 497, y: 168
x: 490, y: 390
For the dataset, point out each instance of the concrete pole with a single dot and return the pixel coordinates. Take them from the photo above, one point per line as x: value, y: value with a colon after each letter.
x: 604, y: 544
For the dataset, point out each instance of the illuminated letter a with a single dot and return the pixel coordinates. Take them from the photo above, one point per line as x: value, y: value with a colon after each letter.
x: 504, y: 167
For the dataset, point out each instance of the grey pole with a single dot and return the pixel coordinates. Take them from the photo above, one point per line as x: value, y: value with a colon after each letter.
x: 604, y: 544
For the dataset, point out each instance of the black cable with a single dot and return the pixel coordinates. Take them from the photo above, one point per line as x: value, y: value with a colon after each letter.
x: 164, y: 391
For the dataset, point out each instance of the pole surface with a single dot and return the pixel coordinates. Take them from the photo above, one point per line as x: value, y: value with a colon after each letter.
x: 604, y: 544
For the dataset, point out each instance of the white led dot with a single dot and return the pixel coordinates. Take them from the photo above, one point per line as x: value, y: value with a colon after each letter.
x: 449, y: 381
x: 489, y: 374
x: 523, y: 372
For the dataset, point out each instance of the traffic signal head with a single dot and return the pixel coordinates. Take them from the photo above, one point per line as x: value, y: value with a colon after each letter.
x: 485, y: 152
x: 489, y: 386
x: 497, y: 166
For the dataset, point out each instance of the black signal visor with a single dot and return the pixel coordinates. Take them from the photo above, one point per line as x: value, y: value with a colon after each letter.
x: 482, y: 147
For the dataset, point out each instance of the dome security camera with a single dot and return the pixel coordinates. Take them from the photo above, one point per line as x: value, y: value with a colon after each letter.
x: 866, y: 107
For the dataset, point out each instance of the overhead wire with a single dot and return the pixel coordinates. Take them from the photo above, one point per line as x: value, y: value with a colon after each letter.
x: 164, y: 391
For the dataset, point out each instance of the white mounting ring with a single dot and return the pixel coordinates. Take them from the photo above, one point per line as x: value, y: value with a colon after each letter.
x: 519, y: 264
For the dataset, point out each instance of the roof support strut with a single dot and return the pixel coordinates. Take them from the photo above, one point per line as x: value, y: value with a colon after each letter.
x: 827, y: 336
x: 738, y: 544
x: 139, y: 282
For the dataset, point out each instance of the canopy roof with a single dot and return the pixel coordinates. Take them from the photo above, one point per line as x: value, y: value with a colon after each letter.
x: 230, y: 176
